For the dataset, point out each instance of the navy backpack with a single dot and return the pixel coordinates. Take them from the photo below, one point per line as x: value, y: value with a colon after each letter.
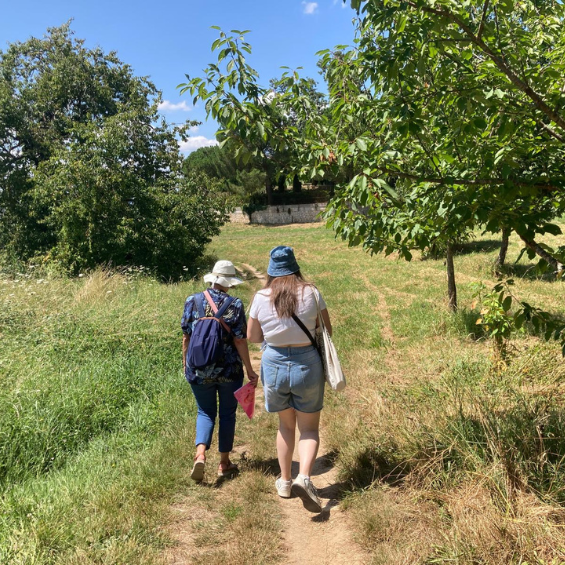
x: 206, y: 343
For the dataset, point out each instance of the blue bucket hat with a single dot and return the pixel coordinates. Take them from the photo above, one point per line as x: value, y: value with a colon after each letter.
x: 282, y: 262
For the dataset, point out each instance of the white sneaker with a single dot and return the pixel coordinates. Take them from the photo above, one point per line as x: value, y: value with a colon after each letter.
x: 283, y: 488
x: 303, y: 487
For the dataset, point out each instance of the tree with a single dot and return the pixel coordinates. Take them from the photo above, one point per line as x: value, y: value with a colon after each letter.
x: 112, y: 199
x: 239, y: 182
x: 216, y: 162
x: 445, y: 117
x: 254, y: 119
x: 462, y: 113
x: 89, y: 172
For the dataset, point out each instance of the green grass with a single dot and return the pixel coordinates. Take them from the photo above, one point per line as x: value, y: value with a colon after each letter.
x: 96, y: 418
x: 93, y: 414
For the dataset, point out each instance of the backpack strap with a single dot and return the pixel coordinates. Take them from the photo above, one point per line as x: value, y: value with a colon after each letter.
x: 219, y: 313
x: 199, y: 301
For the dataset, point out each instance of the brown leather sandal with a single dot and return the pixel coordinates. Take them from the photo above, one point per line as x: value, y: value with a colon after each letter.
x: 197, y: 473
x: 228, y: 470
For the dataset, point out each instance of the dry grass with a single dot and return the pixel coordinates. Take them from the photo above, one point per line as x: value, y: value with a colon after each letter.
x: 239, y: 524
x: 405, y: 526
x: 397, y: 526
x: 100, y: 285
x: 476, y: 529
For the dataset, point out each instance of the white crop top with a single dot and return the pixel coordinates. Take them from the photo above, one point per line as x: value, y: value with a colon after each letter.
x: 285, y: 331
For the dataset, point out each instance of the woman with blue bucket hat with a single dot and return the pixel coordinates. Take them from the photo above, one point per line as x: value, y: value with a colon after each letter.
x: 283, y: 314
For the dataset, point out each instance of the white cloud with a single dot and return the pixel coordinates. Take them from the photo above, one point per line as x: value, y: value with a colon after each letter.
x: 168, y: 106
x: 310, y: 7
x: 196, y: 142
x: 267, y: 98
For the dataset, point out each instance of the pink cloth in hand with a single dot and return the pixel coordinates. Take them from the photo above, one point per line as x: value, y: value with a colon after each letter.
x: 246, y: 397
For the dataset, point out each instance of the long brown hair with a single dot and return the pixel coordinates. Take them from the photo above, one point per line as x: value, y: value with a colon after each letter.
x: 284, y: 293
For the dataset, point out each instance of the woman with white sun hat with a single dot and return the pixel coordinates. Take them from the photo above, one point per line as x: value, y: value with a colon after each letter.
x: 213, y: 385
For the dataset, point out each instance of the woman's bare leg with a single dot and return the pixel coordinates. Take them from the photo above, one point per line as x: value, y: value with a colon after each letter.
x: 285, y: 441
x: 309, y: 441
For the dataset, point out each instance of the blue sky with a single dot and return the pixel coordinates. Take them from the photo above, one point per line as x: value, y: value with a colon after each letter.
x: 165, y: 40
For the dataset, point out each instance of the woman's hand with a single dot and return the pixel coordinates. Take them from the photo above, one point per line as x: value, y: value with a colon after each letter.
x: 243, y: 350
x: 253, y: 377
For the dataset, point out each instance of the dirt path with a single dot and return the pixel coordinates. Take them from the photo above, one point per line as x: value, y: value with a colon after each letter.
x: 250, y: 272
x: 320, y: 539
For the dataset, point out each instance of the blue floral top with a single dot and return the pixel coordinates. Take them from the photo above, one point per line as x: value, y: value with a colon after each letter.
x: 230, y: 368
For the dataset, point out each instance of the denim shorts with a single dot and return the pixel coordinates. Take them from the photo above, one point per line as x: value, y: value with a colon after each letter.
x: 292, y: 377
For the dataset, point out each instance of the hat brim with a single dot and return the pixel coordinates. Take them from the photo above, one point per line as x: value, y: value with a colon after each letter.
x: 222, y: 280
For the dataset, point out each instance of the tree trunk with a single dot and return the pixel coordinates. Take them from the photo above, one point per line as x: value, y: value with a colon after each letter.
x: 451, y: 288
x: 269, y: 188
x: 501, y: 259
x: 281, y: 183
x: 296, y: 184
x: 557, y: 266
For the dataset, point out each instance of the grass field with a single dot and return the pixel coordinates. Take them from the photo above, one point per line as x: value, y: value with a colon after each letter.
x: 442, y: 458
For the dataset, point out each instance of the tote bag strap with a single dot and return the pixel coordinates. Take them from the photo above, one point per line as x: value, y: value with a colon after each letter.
x: 320, y: 319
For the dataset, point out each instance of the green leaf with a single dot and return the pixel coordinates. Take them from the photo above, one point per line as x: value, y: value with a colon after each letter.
x: 506, y: 6
x: 402, y: 23
x: 507, y: 303
x: 261, y: 129
x: 553, y: 229
x: 361, y: 144
x: 406, y: 254
x: 383, y: 184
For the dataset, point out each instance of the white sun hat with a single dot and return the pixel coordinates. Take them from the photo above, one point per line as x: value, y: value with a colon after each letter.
x: 223, y: 274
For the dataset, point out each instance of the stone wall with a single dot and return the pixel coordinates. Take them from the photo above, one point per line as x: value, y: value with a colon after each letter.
x: 278, y: 215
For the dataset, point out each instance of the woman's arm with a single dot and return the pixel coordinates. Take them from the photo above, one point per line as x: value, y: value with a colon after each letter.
x: 254, y: 331
x: 327, y: 322
x: 240, y: 344
x: 185, y: 343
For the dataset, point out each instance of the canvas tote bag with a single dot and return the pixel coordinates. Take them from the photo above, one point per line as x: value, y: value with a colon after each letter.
x: 326, y: 348
x: 332, y: 367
